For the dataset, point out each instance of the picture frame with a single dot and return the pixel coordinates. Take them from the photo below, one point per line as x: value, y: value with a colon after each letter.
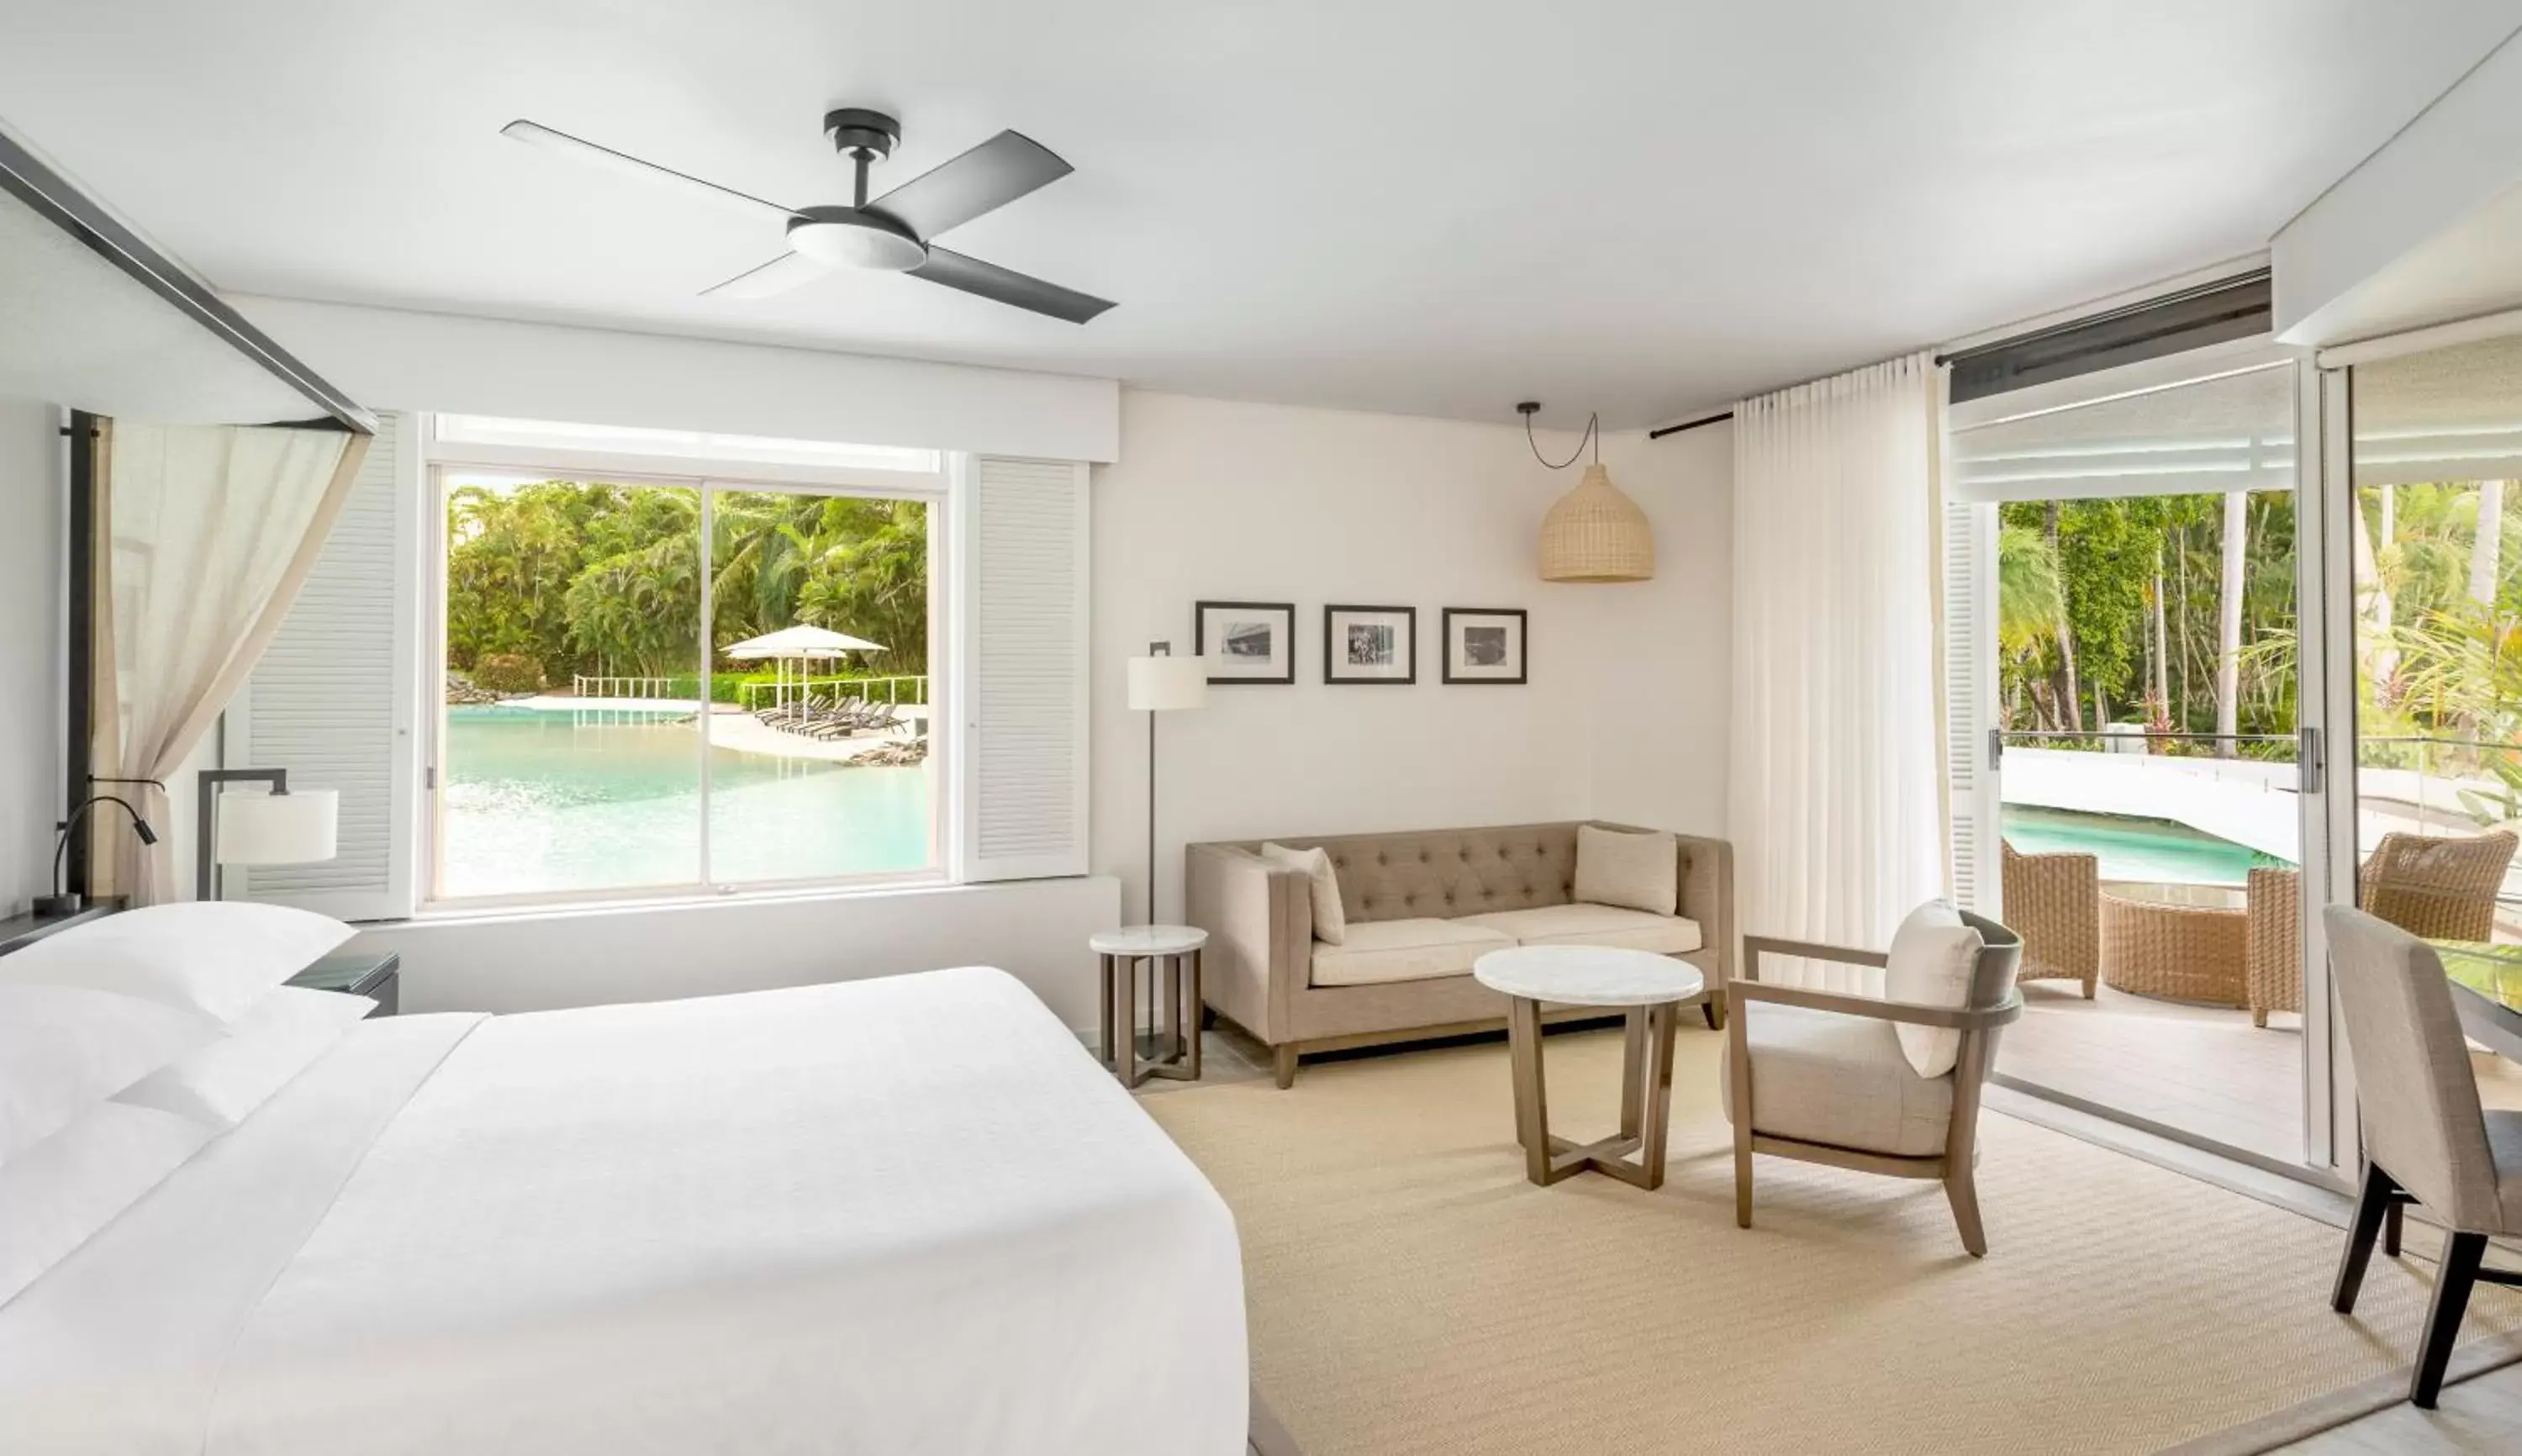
x: 1245, y: 641
x: 1484, y: 645
x: 1370, y: 644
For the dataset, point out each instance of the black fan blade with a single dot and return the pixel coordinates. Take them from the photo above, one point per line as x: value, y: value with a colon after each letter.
x: 1006, y: 286
x: 629, y: 166
x: 781, y: 274
x: 988, y: 176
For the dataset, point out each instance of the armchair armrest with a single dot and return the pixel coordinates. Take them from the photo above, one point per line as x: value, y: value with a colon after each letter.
x: 1911, y: 1013
x: 1259, y: 918
x: 1754, y: 946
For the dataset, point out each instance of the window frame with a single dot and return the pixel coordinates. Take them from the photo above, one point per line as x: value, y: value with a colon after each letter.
x: 443, y: 459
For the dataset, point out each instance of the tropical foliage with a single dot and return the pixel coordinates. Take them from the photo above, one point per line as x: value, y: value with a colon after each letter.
x: 603, y: 579
x: 2112, y: 611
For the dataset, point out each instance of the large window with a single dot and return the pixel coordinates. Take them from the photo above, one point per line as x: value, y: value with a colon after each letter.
x: 656, y: 681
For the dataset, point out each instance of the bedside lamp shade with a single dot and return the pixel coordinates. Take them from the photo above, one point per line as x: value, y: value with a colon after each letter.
x: 291, y: 828
x: 1165, y: 685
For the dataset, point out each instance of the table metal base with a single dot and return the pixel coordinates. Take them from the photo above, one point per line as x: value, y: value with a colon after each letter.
x: 1636, y: 1153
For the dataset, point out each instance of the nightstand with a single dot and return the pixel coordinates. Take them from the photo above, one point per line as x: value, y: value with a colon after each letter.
x: 377, y: 976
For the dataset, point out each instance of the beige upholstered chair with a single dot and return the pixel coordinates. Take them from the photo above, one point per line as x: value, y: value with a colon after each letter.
x: 1820, y: 1077
x: 2054, y: 901
x: 2426, y: 1138
x: 2443, y: 888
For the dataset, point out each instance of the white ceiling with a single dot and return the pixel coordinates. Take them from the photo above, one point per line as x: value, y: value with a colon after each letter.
x: 1423, y: 206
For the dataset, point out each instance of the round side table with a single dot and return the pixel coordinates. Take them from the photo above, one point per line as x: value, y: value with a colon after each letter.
x: 1172, y: 951
x: 1652, y: 989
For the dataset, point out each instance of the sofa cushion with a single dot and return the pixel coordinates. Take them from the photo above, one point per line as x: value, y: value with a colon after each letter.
x: 1380, y: 952
x: 1330, y: 924
x: 1627, y: 869
x: 1827, y: 1077
x: 1592, y: 925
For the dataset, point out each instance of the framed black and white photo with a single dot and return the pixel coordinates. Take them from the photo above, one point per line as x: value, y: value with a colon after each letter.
x: 1247, y: 642
x: 1370, y: 644
x: 1483, y: 644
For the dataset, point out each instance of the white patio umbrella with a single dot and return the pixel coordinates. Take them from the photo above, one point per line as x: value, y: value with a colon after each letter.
x: 800, y: 644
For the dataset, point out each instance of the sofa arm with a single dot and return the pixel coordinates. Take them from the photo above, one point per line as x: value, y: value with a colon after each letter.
x: 1707, y: 897
x: 1259, y: 919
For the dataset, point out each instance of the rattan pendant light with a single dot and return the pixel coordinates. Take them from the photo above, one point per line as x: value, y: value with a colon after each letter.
x: 1593, y: 533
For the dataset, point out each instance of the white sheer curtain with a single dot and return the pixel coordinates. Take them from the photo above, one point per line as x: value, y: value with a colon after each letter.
x: 204, y: 534
x: 1836, y: 807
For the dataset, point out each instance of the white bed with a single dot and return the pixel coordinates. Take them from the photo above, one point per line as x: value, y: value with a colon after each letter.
x: 906, y: 1215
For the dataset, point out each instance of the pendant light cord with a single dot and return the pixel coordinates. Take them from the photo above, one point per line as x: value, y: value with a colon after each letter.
x: 1593, y: 435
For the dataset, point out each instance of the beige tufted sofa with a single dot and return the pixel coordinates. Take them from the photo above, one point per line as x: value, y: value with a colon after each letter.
x: 1420, y: 907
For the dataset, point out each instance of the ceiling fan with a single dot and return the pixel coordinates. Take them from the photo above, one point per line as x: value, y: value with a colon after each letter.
x: 890, y: 234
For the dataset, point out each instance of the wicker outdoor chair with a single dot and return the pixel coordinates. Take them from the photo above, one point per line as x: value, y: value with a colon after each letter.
x: 2434, y: 887
x: 2054, y: 901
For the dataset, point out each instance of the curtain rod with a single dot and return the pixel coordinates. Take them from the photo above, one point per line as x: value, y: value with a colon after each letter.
x: 1714, y: 419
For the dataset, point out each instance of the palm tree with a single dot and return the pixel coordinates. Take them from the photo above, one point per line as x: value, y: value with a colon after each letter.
x: 2228, y: 619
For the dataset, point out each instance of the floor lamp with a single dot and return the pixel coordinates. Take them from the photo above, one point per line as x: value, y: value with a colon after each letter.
x: 1161, y: 682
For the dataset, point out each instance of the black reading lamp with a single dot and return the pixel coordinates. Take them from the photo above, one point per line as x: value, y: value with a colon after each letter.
x: 61, y: 902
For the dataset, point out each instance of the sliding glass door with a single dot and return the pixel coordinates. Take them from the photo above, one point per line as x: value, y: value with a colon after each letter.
x: 2125, y: 567
x: 2435, y: 549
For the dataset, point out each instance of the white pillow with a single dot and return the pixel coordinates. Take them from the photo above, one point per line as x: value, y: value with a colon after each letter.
x: 221, y: 1085
x: 1634, y: 870
x: 66, y: 1049
x: 62, y: 1191
x: 215, y: 956
x: 1331, y: 918
x: 1933, y: 957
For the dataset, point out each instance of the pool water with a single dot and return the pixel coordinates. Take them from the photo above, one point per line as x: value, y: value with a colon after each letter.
x: 538, y: 802
x: 2134, y: 848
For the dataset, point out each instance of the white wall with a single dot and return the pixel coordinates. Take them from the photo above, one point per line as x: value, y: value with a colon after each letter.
x: 1036, y: 930
x: 31, y: 556
x: 1624, y: 715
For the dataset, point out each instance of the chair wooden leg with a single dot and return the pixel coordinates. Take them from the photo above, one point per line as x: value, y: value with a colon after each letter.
x: 2454, y: 1278
x: 2391, y: 1228
x: 1738, y: 1070
x: 2372, y: 1201
x: 1283, y: 1062
x: 1963, y: 1194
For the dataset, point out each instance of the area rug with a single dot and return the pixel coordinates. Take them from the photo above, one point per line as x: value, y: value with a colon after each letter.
x: 1409, y: 1292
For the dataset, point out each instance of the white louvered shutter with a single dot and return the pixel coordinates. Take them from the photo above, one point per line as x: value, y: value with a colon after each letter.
x: 1970, y: 703
x: 331, y: 699
x: 1023, y: 668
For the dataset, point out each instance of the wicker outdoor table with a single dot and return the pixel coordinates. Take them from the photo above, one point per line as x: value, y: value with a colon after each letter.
x: 2177, y: 942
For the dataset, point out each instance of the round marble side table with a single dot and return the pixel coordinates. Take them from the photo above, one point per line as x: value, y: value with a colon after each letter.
x: 1173, y: 953
x: 1652, y: 989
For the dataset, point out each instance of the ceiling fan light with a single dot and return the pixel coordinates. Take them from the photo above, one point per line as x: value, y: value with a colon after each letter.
x: 850, y: 238
x: 1596, y: 533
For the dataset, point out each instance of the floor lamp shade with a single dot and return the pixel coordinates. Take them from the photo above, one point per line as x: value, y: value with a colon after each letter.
x: 1596, y: 533
x: 1165, y: 685
x: 292, y: 829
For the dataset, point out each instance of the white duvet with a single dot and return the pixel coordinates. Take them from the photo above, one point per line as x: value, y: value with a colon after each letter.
x: 907, y: 1215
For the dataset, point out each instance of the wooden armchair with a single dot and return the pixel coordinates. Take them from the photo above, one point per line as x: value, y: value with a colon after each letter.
x: 1819, y: 1076
x: 2055, y: 902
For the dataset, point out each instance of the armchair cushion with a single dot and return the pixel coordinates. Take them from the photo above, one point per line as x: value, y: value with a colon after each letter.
x: 1592, y: 925
x: 1824, y: 1077
x: 1331, y: 921
x: 1380, y: 952
x: 1933, y: 961
x: 1635, y: 871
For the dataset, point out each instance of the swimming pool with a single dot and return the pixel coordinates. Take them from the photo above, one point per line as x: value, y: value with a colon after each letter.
x: 539, y: 801
x: 2151, y: 850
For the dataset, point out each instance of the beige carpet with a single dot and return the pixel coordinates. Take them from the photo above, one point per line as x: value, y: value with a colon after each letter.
x: 1410, y: 1292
